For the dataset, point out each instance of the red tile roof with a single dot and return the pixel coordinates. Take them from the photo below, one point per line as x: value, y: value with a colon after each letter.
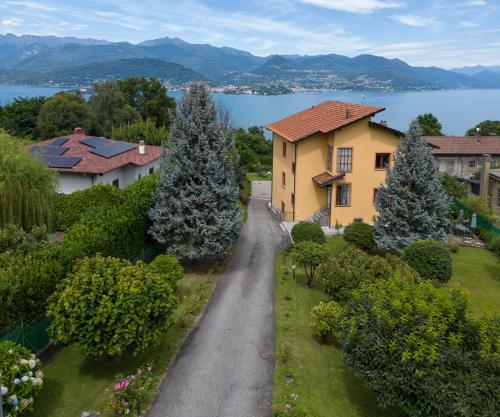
x: 464, y: 145
x: 325, y: 117
x: 326, y: 178
x: 95, y: 164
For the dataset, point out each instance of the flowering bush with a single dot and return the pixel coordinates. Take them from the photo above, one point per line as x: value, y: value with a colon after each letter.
x: 20, y: 378
x: 130, y: 392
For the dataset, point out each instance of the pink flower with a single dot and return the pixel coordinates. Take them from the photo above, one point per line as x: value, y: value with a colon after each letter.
x: 150, y: 369
x: 117, y: 387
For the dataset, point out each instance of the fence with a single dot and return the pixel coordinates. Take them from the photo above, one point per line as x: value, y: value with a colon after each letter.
x: 33, y: 336
x: 480, y: 221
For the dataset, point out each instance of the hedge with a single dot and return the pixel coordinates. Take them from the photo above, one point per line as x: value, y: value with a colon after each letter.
x: 430, y: 258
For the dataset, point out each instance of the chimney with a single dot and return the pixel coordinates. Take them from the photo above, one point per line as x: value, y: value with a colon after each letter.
x: 383, y: 122
x: 485, y: 176
x: 142, y: 147
x: 348, y: 113
x: 79, y: 131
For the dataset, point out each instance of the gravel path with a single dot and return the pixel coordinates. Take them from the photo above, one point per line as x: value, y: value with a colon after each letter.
x: 224, y: 369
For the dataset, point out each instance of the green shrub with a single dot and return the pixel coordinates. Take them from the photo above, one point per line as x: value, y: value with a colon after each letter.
x: 308, y: 231
x: 325, y: 319
x: 344, y: 273
x: 494, y: 245
x: 169, y: 266
x: 413, y: 345
x: 70, y: 208
x: 13, y: 236
x: 360, y: 235
x: 310, y: 255
x: 28, y: 276
x: 453, y: 186
x: 109, y: 306
x: 119, y: 230
x: 245, y: 189
x: 20, y: 377
x: 430, y: 258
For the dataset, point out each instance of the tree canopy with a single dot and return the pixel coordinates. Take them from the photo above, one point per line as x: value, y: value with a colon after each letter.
x: 255, y: 151
x: 412, y: 204
x: 486, y: 128
x: 20, y: 117
x: 60, y: 114
x: 110, y: 107
x: 145, y: 130
x: 429, y: 124
x: 195, y: 213
x: 27, y: 186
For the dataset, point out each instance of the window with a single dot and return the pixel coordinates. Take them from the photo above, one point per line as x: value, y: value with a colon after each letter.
x: 382, y: 160
x: 329, y: 158
x: 151, y: 170
x: 472, y: 163
x: 116, y: 183
x: 283, y: 179
x: 284, y: 149
x: 343, y: 195
x: 293, y: 168
x: 292, y: 199
x: 375, y: 191
x: 139, y: 176
x: 283, y: 207
x: 344, y: 160
x: 358, y: 220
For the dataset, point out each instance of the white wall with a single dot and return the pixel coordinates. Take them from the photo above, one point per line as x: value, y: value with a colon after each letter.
x: 70, y: 182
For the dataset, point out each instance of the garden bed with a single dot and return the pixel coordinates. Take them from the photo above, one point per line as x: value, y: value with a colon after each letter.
x: 73, y: 383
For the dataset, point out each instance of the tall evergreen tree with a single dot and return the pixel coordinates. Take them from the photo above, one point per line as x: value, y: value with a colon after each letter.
x: 194, y: 211
x: 412, y: 204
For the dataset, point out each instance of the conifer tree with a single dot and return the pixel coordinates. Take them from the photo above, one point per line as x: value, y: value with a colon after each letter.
x: 412, y: 204
x: 194, y: 212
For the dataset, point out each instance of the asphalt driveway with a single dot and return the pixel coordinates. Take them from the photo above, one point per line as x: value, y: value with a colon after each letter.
x: 225, y: 367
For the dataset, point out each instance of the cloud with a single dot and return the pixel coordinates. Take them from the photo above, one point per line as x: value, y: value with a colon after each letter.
x: 411, y: 20
x: 12, y: 21
x: 476, y: 3
x: 355, y: 6
x: 467, y: 24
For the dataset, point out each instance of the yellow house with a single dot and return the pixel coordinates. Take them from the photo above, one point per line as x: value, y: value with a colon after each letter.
x: 328, y: 162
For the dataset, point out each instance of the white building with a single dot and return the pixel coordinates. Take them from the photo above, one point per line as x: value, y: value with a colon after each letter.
x: 83, y: 160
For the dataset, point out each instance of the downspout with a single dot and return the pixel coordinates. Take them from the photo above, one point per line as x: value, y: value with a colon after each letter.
x: 295, y: 181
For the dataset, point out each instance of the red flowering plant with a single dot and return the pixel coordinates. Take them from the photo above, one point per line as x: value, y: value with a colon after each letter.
x: 130, y: 392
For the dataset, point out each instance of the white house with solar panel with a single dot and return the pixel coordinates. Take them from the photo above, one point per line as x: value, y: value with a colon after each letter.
x: 83, y: 160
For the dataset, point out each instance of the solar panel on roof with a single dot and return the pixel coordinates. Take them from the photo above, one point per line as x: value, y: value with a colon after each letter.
x: 113, y: 149
x: 95, y: 142
x: 49, y: 150
x: 59, y: 141
x: 61, y: 161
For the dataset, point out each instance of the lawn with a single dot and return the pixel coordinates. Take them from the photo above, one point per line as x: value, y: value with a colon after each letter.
x: 74, y: 383
x: 304, y: 366
x: 253, y: 176
x: 478, y: 272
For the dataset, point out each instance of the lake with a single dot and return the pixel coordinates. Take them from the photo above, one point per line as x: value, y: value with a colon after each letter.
x: 457, y: 110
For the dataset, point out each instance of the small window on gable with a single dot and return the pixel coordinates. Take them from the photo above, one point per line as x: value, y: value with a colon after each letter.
x: 472, y: 163
x: 151, y: 170
x: 293, y: 168
x: 283, y: 179
x: 116, y: 183
x: 139, y: 176
x: 284, y: 149
x: 375, y: 192
x: 382, y: 160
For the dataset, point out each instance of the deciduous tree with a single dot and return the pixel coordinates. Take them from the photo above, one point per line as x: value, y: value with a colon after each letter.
x: 486, y: 128
x: 429, y: 124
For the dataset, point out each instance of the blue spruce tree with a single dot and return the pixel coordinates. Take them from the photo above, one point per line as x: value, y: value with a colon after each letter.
x: 412, y: 204
x: 194, y: 212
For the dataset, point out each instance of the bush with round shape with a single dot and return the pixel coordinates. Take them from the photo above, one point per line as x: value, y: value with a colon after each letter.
x: 169, y: 266
x: 344, y: 273
x: 415, y: 347
x: 325, y: 319
x: 308, y: 231
x: 20, y: 377
x: 109, y: 306
x: 430, y: 258
x: 310, y: 255
x: 360, y: 235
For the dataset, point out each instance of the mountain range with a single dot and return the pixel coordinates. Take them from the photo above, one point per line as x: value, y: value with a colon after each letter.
x: 68, y: 61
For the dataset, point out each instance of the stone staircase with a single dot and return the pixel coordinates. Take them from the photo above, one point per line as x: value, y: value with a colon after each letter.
x: 320, y: 216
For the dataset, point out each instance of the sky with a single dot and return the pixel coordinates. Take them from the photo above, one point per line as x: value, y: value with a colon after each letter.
x: 444, y: 33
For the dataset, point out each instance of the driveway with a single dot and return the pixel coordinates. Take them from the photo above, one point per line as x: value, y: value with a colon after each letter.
x: 224, y: 369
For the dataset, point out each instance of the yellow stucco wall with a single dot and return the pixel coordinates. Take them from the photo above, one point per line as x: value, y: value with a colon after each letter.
x: 280, y: 165
x: 311, y: 160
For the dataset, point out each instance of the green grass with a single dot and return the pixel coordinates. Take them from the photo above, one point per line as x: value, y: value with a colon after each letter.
x: 477, y: 271
x: 323, y: 383
x: 253, y: 176
x: 74, y: 383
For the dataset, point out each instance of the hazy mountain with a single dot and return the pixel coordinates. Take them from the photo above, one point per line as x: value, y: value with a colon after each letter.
x: 473, y: 70
x: 84, y: 75
x: 49, y: 57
